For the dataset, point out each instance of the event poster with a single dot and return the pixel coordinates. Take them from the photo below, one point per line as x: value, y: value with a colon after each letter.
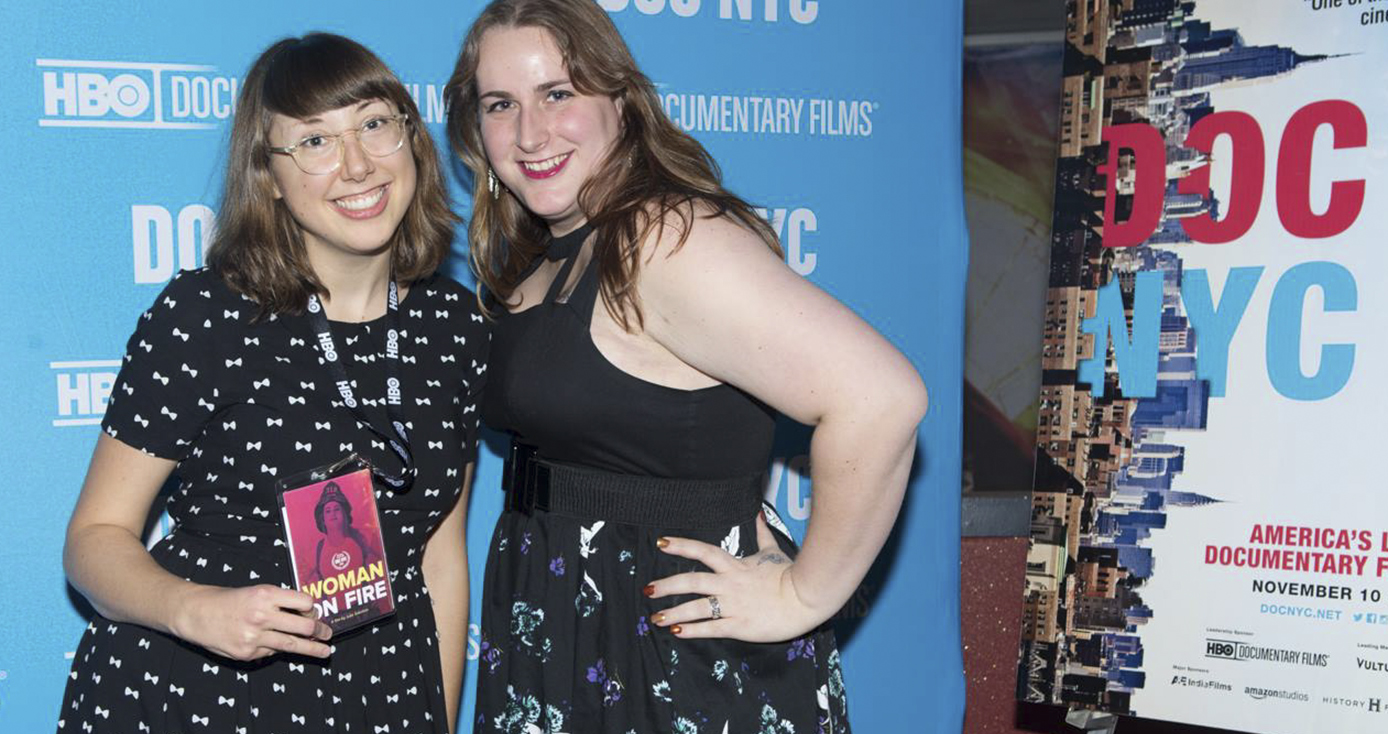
x: 1209, y: 542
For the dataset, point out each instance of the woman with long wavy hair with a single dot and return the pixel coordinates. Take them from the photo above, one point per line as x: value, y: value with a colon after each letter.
x: 646, y: 331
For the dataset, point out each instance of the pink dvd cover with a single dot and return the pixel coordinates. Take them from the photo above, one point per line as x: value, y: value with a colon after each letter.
x: 335, y: 546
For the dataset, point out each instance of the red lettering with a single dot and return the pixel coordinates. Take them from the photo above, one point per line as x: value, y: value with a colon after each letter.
x: 1294, y: 169
x: 1246, y: 184
x: 1149, y: 186
x: 1147, y: 152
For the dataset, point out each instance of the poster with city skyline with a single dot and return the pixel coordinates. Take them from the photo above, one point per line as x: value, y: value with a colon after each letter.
x: 1208, y: 542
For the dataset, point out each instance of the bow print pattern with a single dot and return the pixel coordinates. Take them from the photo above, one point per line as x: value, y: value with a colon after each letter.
x: 196, y: 382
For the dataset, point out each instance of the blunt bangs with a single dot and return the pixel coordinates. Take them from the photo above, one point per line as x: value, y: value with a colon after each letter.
x: 323, y: 72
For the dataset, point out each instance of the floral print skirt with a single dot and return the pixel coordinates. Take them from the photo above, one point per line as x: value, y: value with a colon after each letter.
x: 567, y: 646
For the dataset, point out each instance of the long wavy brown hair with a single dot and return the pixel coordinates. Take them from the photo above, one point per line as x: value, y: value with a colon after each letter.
x: 258, y: 247
x: 655, y: 174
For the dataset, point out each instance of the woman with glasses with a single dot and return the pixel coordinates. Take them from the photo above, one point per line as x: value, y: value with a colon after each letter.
x: 646, y: 330
x: 321, y: 328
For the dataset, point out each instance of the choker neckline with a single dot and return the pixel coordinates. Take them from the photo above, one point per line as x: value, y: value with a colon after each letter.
x: 568, y: 245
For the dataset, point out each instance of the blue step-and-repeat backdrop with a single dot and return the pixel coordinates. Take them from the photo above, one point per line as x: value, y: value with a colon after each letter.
x: 840, y: 118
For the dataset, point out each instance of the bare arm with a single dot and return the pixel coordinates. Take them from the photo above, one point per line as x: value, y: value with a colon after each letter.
x: 106, y: 561
x: 727, y: 306
x: 446, y: 575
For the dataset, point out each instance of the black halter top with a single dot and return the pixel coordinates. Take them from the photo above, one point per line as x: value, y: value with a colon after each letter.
x: 550, y: 387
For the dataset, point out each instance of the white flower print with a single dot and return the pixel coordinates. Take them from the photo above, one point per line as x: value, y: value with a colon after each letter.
x: 585, y: 538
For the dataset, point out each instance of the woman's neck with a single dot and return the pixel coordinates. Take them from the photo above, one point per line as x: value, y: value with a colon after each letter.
x: 356, y: 284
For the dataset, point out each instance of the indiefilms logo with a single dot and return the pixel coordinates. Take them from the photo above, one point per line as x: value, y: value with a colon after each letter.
x: 120, y: 94
x: 1204, y: 683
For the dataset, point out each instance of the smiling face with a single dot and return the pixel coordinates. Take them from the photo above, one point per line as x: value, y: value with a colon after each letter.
x: 355, y: 210
x: 543, y: 139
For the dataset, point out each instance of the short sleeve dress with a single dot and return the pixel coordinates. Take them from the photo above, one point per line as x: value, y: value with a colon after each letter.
x: 238, y: 403
x: 567, y: 642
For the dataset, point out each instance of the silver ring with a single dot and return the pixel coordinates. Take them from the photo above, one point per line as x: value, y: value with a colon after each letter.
x: 713, y: 605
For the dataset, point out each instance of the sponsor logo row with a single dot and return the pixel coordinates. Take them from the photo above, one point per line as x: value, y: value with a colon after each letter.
x: 1264, y: 693
x: 1234, y: 650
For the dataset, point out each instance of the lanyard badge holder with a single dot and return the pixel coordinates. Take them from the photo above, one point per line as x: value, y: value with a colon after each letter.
x: 331, y: 522
x: 336, y: 549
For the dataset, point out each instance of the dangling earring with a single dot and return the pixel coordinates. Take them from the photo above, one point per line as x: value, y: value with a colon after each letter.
x: 492, y: 184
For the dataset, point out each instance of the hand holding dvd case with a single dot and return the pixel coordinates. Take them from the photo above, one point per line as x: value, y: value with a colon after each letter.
x: 336, y: 550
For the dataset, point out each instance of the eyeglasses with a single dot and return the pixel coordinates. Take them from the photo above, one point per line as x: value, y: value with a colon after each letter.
x: 321, y: 154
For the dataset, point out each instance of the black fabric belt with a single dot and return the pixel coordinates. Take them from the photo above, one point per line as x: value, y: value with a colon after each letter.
x: 533, y: 484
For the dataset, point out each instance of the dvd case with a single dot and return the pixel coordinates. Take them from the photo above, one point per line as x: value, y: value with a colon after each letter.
x: 333, y: 533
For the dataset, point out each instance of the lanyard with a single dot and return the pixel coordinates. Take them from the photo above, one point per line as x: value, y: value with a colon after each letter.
x: 324, y: 333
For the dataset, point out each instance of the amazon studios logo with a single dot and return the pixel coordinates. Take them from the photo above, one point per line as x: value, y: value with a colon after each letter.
x: 119, y: 94
x: 1258, y: 693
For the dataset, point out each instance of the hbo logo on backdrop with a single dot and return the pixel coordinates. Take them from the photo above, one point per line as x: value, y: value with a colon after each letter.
x: 121, y: 94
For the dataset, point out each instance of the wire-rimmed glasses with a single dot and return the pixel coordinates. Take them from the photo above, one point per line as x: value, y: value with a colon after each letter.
x: 321, y: 154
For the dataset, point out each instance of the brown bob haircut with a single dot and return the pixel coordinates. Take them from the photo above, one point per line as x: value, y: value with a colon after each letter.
x: 654, y: 174
x: 258, y: 247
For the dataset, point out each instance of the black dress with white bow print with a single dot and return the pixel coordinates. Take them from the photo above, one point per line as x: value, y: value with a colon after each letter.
x: 238, y: 403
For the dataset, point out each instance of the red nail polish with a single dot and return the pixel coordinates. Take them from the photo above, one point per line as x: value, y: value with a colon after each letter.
x: 676, y: 629
x: 649, y: 590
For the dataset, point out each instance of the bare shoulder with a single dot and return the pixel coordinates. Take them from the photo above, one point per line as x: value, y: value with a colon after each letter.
x: 702, y: 271
x: 694, y: 238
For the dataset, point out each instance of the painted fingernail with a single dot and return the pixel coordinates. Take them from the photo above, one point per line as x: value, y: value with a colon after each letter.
x: 676, y: 629
x: 649, y: 590
x: 659, y: 618
x: 662, y: 542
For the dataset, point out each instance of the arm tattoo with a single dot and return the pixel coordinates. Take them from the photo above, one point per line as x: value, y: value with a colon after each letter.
x: 775, y: 558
